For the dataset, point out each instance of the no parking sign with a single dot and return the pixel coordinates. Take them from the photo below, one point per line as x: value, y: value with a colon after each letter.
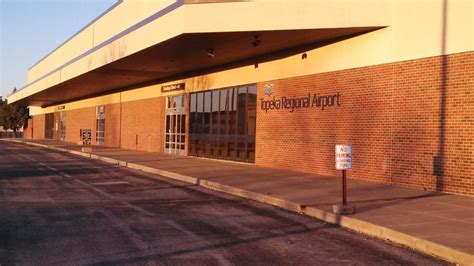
x: 343, y: 157
x: 344, y: 162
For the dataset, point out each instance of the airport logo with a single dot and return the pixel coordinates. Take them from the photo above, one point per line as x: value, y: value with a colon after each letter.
x: 268, y: 89
x: 312, y: 100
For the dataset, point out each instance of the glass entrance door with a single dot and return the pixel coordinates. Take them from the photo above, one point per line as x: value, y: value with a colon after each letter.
x: 49, y: 126
x: 62, y: 125
x: 100, y: 125
x: 175, y: 127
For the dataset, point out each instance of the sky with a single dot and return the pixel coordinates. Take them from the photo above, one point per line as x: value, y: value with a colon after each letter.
x: 30, y: 29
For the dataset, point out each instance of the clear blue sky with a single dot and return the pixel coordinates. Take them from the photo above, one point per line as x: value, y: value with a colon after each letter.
x: 30, y: 29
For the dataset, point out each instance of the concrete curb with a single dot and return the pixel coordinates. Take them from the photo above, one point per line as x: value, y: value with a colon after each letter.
x: 357, y: 225
x: 79, y: 153
x: 175, y: 176
x: 353, y: 224
x: 391, y: 235
x: 105, y: 159
x: 252, y: 196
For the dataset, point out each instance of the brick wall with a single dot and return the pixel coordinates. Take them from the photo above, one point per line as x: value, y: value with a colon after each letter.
x: 393, y: 116
x: 112, y: 125
x: 143, y: 124
x: 80, y: 119
x: 38, y: 126
x: 410, y: 123
x: 28, y: 129
x: 142, y: 121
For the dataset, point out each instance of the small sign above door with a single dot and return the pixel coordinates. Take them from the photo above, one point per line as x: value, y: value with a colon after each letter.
x: 172, y: 87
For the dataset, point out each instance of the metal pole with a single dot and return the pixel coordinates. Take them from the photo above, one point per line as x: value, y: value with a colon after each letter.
x: 344, y: 192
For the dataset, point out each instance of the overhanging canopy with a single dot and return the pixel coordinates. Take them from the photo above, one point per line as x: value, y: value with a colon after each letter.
x: 193, y: 48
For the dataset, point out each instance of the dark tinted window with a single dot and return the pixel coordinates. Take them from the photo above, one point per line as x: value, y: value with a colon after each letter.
x: 223, y: 123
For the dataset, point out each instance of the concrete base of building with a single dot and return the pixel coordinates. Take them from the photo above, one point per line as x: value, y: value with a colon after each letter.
x: 86, y: 149
x: 343, y: 209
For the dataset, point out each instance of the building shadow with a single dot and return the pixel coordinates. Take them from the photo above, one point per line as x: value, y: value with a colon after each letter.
x: 388, y: 202
x: 439, y: 159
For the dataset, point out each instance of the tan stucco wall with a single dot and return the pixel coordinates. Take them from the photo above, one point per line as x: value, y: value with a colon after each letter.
x: 415, y: 31
x: 121, y: 17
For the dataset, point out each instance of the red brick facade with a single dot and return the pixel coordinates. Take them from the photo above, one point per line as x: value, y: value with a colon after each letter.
x: 38, y: 126
x: 410, y: 123
x: 28, y: 129
x: 112, y: 125
x: 131, y: 125
x: 142, y: 125
x: 80, y: 119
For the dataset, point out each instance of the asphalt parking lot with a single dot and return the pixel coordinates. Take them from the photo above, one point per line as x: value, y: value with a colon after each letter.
x: 61, y: 209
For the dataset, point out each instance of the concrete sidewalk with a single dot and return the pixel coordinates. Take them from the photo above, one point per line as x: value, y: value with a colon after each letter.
x: 435, y: 223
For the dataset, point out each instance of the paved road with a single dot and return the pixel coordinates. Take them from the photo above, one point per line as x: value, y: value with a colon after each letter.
x: 60, y: 209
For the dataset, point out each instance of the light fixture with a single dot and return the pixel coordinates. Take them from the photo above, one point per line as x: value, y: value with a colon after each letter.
x: 210, y: 52
x: 256, y: 41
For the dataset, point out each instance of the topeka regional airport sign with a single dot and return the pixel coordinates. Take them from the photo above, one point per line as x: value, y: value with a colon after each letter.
x: 312, y: 100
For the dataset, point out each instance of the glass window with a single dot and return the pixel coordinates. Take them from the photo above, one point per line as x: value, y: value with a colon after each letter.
x: 215, y: 113
x: 183, y: 124
x: 193, y: 103
x: 223, y: 112
x: 177, y: 124
x: 100, y: 125
x: 224, y: 123
x: 242, y: 111
x: 251, y: 122
x: 251, y: 110
x: 49, y: 126
x: 192, y: 113
x: 168, y: 124
x: 192, y: 124
x: 62, y: 125
x: 232, y: 111
x: 207, y: 113
x: 199, y: 112
x: 177, y: 101
x: 199, y: 123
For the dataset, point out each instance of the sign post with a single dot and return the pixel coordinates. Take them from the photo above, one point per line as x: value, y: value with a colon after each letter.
x: 344, y: 162
x: 344, y: 188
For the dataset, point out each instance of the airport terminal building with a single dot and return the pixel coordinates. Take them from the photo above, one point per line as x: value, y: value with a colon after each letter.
x: 272, y: 83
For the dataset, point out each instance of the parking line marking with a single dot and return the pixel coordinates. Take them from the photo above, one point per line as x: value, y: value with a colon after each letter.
x: 110, y: 183
x: 88, y: 185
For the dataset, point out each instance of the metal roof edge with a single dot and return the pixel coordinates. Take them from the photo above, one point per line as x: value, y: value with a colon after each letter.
x: 145, y: 21
x: 81, y: 30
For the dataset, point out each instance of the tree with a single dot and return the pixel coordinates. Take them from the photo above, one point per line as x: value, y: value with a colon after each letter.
x: 13, y: 116
x: 1, y: 111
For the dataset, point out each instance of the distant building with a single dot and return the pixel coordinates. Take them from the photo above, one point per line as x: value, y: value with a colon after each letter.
x: 272, y: 83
